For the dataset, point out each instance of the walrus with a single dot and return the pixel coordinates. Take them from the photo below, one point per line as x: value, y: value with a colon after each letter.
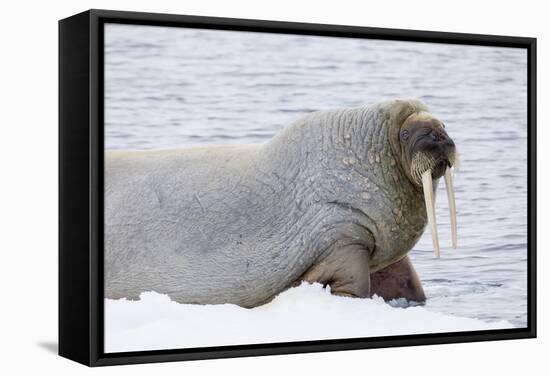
x: 339, y: 197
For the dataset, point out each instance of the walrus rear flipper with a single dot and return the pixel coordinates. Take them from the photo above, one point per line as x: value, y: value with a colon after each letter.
x: 398, y: 280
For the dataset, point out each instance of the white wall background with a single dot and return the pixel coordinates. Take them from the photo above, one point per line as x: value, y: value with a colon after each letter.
x: 28, y: 187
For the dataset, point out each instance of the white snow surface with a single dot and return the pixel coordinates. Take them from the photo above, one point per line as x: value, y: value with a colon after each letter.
x: 303, y: 313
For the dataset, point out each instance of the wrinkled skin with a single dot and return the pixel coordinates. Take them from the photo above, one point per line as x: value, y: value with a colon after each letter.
x: 329, y: 199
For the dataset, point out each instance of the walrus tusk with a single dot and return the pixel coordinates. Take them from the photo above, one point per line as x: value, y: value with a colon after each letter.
x: 452, y: 204
x: 430, y: 208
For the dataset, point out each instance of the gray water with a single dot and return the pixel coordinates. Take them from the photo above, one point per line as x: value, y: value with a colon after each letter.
x: 175, y: 87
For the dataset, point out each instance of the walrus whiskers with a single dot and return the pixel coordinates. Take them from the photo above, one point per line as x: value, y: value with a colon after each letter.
x: 419, y: 164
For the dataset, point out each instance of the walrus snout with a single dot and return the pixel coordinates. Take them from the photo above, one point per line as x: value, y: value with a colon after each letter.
x: 435, y: 143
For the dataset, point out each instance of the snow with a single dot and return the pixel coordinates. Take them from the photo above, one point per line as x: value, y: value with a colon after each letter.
x: 306, y: 312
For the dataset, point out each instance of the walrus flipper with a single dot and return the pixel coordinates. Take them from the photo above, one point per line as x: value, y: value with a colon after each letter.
x: 345, y: 270
x: 398, y: 280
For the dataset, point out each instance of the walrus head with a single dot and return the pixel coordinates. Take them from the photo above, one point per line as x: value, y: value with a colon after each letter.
x: 427, y: 154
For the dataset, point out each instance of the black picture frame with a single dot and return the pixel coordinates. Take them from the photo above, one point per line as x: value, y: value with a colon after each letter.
x: 81, y: 181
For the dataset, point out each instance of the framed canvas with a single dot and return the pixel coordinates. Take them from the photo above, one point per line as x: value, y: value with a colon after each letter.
x: 232, y: 187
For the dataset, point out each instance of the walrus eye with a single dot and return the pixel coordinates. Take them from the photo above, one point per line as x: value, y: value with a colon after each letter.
x: 405, y: 135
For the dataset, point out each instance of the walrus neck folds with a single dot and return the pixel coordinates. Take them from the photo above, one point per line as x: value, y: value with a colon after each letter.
x: 333, y: 141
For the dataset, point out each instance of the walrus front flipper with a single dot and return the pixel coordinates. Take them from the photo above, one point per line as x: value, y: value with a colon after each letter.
x: 345, y: 270
x: 398, y: 280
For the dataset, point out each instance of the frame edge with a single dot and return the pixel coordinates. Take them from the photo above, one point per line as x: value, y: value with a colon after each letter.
x: 74, y: 161
x: 85, y: 344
